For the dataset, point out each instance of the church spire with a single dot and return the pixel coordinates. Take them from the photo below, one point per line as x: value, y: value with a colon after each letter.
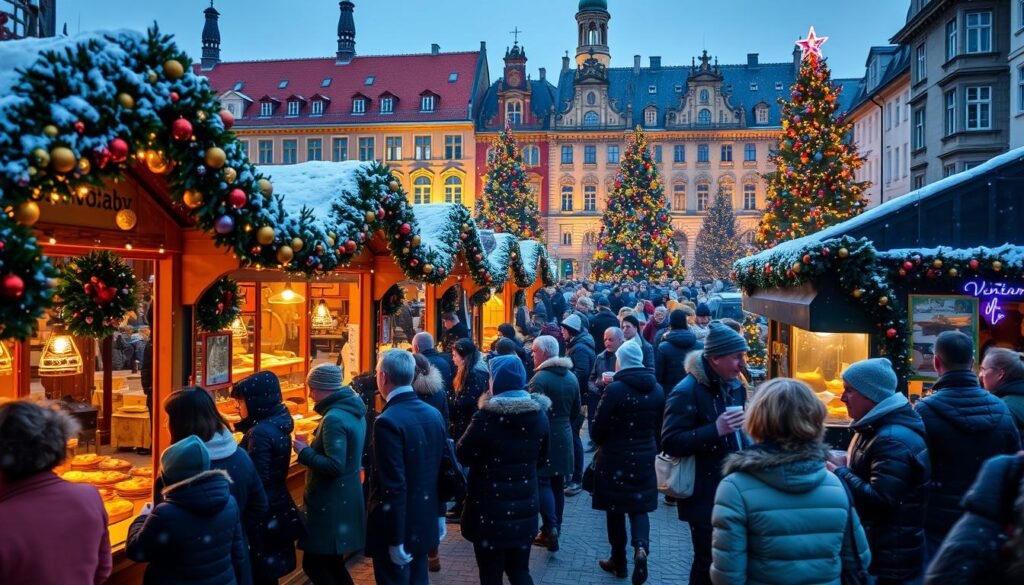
x: 211, y: 39
x: 346, y: 33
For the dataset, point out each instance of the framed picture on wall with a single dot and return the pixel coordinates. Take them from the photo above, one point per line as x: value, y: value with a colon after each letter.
x: 931, y: 315
x: 216, y: 366
x: 385, y: 329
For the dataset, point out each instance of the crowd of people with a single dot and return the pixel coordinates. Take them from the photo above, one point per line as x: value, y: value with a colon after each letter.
x: 493, y: 438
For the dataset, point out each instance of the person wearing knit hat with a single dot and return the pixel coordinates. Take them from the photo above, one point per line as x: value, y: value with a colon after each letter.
x: 629, y: 355
x: 581, y: 350
x: 873, y: 379
x: 701, y: 322
x: 184, y: 459
x: 723, y: 340
x: 631, y: 331
x: 507, y: 374
x: 574, y: 324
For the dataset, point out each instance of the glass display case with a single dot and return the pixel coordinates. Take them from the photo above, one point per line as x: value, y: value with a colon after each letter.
x: 819, y: 359
x: 492, y: 314
x: 397, y: 331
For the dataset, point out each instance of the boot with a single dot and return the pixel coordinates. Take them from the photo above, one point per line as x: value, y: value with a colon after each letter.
x: 640, y: 566
x: 616, y: 565
x: 433, y: 562
x: 541, y: 539
x: 552, y: 542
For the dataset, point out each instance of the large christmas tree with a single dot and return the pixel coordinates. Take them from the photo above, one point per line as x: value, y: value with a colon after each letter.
x: 636, y: 233
x: 507, y: 204
x: 718, y: 243
x: 813, y: 184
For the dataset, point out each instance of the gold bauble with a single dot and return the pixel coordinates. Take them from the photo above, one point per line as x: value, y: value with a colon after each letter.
x: 428, y: 268
x: 27, y: 213
x: 126, y: 219
x: 173, y: 69
x: 937, y: 263
x: 953, y: 272
x: 285, y: 254
x: 126, y: 100
x: 40, y: 157
x: 63, y: 159
x: 193, y: 198
x: 156, y: 162
x: 416, y: 240
x: 393, y: 186
x: 997, y: 266
x: 405, y: 251
x: 50, y: 131
x: 330, y: 242
x: 843, y: 252
x: 229, y: 174
x: 371, y: 217
x: 883, y: 301
x: 266, y: 187
x: 265, y: 235
x: 215, y: 157
x: 297, y: 244
x: 858, y: 293
x: 84, y: 166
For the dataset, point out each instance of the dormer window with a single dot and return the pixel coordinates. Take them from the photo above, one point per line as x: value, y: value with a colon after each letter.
x: 317, y: 108
x: 387, y: 105
x: 704, y: 96
x: 427, y: 103
x: 650, y: 117
x: 761, y: 114
x: 514, y: 113
x: 678, y: 88
x: 704, y: 117
x: 293, y: 108
x: 753, y: 86
x: 778, y: 86
x: 283, y: 84
x: 359, y: 105
x: 266, y: 109
x: 652, y: 89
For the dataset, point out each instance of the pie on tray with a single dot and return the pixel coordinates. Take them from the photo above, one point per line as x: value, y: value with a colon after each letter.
x: 94, y: 477
x: 118, y: 509
x: 114, y: 464
x: 87, y: 460
x: 144, y: 471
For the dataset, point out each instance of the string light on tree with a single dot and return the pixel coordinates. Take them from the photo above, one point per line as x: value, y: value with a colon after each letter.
x: 508, y: 204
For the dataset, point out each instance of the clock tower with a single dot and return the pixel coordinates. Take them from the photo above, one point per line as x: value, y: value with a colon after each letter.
x: 514, y: 90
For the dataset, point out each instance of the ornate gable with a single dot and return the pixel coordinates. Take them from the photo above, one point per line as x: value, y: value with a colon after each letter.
x: 706, y: 103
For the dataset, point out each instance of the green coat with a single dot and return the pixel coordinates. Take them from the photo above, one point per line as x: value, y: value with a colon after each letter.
x: 554, y: 379
x: 335, y: 514
x: 1012, y: 395
x: 781, y: 519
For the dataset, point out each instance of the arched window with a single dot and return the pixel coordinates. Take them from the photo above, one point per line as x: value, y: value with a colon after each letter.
x: 593, y: 36
x: 567, y: 196
x: 650, y: 117
x: 704, y: 117
x: 453, y: 189
x: 678, y: 197
x: 590, y: 119
x: 531, y: 156
x: 727, y: 188
x: 704, y: 96
x: 514, y: 113
x: 421, y: 190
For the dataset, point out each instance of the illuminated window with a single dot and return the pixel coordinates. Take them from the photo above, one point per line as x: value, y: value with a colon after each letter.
x: 421, y: 190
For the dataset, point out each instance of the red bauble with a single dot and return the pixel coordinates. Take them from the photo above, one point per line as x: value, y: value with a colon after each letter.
x: 973, y: 264
x: 350, y: 246
x: 118, y: 150
x: 181, y: 129
x: 405, y: 229
x: 102, y: 157
x: 902, y: 272
x: 380, y: 213
x: 174, y: 97
x: 104, y: 296
x: 12, y: 286
x: 908, y: 265
x: 807, y: 259
x: 237, y: 198
x: 79, y: 127
x: 227, y: 118
x: 890, y: 333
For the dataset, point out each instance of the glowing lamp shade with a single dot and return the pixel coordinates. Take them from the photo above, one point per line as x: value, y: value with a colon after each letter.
x: 286, y: 297
x: 60, y: 356
x: 6, y: 361
x: 238, y: 330
x: 322, y: 316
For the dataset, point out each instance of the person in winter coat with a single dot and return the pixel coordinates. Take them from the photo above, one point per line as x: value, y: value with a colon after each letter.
x: 192, y: 412
x: 780, y: 517
x: 423, y: 343
x: 1002, y: 374
x: 194, y: 536
x: 454, y: 330
x: 471, y: 381
x: 964, y: 426
x: 558, y: 305
x: 631, y: 328
x: 429, y: 386
x: 54, y: 531
x: 579, y: 349
x: 701, y: 321
x: 888, y: 470
x: 603, y: 319
x: 603, y: 363
x: 626, y: 429
x: 554, y: 378
x: 266, y: 426
x: 506, y: 331
x: 986, y: 545
x: 656, y: 326
x: 335, y: 524
x: 697, y: 424
x: 676, y: 344
x: 542, y: 304
x: 505, y: 444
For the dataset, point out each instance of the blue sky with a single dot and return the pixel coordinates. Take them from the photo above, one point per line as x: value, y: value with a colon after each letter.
x: 676, y: 30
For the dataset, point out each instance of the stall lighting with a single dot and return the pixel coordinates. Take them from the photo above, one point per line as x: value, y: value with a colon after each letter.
x: 287, y: 297
x: 52, y: 240
x: 239, y: 332
x: 128, y: 246
x: 322, y: 316
x: 6, y: 361
x: 161, y: 249
x: 60, y: 356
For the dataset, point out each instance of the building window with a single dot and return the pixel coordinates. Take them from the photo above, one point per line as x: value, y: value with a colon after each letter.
x: 567, y: 198
x: 650, y: 117
x: 887, y: 170
x: 702, y: 153
x: 1020, y: 86
x: 679, y: 153
x: 453, y: 190
x: 590, y: 198
x: 1020, y: 14
x: 897, y: 122
x: 387, y: 105
x: 531, y: 156
x: 897, y: 161
x: 951, y: 39
x: 567, y: 239
x: 657, y: 153
x: 762, y: 115
x: 293, y: 108
x: 314, y: 149
x: 393, y: 148
x: 727, y: 153
x: 750, y: 152
x: 921, y: 65
x: 422, y: 148
x: 245, y: 147
x: 749, y: 197
x: 514, y: 113
x: 566, y: 154
x: 453, y: 147
x: 339, y: 149
x: 679, y: 196
x: 421, y: 190
x: 950, y: 112
x: 888, y: 116
x: 918, y: 182
x: 366, y: 148
x: 359, y: 106
x: 948, y: 170
x: 266, y: 109
x: 613, y: 154
x: 979, y: 32
x: 979, y: 107
x: 589, y: 154
x: 727, y: 192
x: 289, y: 151
x: 704, y: 117
x: 427, y: 103
x: 919, y: 128
x: 702, y: 196
x: 266, y: 151
x: 318, y: 108
x: 704, y: 96
x: 590, y: 119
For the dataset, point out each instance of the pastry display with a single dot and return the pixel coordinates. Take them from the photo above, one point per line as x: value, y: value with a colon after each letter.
x: 106, y: 494
x: 113, y: 464
x: 145, y: 471
x: 94, y: 477
x: 87, y: 461
x: 118, y: 509
x: 134, y: 488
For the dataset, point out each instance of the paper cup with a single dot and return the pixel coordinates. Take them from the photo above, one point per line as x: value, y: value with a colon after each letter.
x: 733, y: 408
x: 304, y: 437
x: 607, y: 377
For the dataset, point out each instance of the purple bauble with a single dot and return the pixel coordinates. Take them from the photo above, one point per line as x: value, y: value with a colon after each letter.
x: 224, y: 224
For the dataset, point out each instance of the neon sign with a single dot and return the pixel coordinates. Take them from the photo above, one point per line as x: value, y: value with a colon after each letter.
x: 990, y: 293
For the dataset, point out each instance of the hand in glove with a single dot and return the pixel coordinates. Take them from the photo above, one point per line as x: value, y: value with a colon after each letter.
x: 399, y: 556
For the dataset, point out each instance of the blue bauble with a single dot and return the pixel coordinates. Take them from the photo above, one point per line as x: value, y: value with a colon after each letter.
x: 817, y: 156
x: 224, y: 224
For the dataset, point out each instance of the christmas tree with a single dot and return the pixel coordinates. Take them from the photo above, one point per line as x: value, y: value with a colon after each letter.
x: 757, y: 355
x: 813, y: 184
x: 718, y: 243
x: 508, y: 204
x: 636, y: 232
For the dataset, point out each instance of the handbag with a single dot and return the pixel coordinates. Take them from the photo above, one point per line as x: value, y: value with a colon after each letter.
x: 856, y: 574
x: 587, y: 481
x: 676, y: 475
x: 451, y: 479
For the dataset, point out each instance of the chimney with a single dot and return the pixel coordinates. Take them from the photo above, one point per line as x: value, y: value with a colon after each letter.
x: 435, y: 49
x: 655, y: 63
x: 346, y: 33
x: 543, y: 73
x: 636, y: 64
x: 751, y: 59
x: 565, y: 63
x: 211, y: 39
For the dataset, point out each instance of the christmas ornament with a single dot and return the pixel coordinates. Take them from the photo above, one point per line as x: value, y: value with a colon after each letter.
x: 843, y: 253
x: 118, y: 150
x: 224, y: 225
x: 265, y: 235
x: 229, y: 174
x: 297, y: 244
x: 404, y: 229
x: 12, y: 286
x: 173, y: 69
x: 126, y: 100
x: 215, y: 157
x: 126, y: 219
x: 937, y: 263
x: 393, y: 186
x: 192, y: 198
x: 285, y: 254
x: 84, y: 166
x: 238, y: 199
x: 156, y: 163
x: 40, y: 158
x: 973, y: 264
x: 227, y: 118
x: 883, y: 301
x: 63, y: 159
x: 265, y: 187
x: 181, y: 129
x: 890, y: 333
x: 26, y: 213
x: 997, y: 266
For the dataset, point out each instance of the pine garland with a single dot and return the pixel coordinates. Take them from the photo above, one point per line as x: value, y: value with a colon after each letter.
x: 219, y: 306
x: 96, y: 291
x: 26, y: 281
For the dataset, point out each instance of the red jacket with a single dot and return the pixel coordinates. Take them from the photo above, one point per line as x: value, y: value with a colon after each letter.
x: 54, y: 532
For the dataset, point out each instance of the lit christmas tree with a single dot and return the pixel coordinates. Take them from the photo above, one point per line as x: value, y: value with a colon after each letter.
x: 813, y: 184
x: 757, y: 355
x: 636, y: 233
x: 718, y: 243
x: 507, y: 204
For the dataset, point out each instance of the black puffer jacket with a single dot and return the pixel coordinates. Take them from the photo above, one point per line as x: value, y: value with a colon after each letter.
x: 974, y: 551
x: 600, y: 322
x: 627, y: 429
x: 464, y: 404
x: 444, y: 365
x: 580, y: 350
x: 670, y: 360
x: 888, y: 473
x: 965, y: 426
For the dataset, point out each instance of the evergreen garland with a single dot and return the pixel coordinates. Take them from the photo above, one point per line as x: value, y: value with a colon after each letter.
x: 26, y: 281
x: 96, y: 291
x: 480, y: 297
x: 450, y: 300
x: 219, y: 306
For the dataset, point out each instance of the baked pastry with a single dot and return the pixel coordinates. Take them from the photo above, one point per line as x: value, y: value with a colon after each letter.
x: 144, y: 471
x: 118, y: 509
x: 86, y: 460
x: 94, y: 477
x: 113, y: 464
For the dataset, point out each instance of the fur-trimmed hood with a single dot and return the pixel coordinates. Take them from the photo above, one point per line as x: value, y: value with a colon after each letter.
x: 429, y: 384
x: 514, y: 403
x: 555, y: 362
x: 798, y: 469
x: 695, y: 367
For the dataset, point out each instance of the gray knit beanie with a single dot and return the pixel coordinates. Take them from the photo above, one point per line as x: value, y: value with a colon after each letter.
x: 873, y: 379
x: 723, y: 340
x: 326, y: 378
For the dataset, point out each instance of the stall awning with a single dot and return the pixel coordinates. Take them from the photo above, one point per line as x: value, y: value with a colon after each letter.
x: 811, y: 309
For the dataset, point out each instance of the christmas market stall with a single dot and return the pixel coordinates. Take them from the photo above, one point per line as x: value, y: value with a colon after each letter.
x: 888, y: 281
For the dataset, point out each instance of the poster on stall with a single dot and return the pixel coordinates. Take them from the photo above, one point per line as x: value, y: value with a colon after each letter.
x: 930, y: 315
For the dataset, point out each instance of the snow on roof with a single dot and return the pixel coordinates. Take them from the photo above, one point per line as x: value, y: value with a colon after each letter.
x: 436, y: 230
x: 1011, y: 254
x: 316, y: 184
x: 501, y: 256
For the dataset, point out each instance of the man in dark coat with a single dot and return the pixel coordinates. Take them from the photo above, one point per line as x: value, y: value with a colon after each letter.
x: 454, y: 330
x: 604, y: 362
x: 614, y: 300
x: 603, y: 319
x: 670, y: 359
x: 631, y: 330
x: 697, y: 424
x: 579, y: 349
x: 423, y: 343
x: 965, y: 426
x: 887, y: 471
x: 558, y: 305
x: 409, y: 438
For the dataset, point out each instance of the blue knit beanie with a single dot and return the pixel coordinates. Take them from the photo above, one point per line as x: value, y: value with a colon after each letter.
x: 184, y: 459
x: 723, y: 340
x: 325, y: 377
x: 507, y: 373
x: 873, y: 379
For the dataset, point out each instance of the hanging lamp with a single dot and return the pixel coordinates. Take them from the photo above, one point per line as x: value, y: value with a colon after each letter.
x: 6, y: 361
x: 322, y: 318
x: 60, y: 355
x: 288, y: 296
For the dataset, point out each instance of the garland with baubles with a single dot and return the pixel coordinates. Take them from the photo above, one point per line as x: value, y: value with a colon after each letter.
x: 26, y: 281
x: 392, y: 301
x: 96, y: 291
x: 219, y: 306
x: 450, y: 300
x: 947, y: 269
x: 480, y: 297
